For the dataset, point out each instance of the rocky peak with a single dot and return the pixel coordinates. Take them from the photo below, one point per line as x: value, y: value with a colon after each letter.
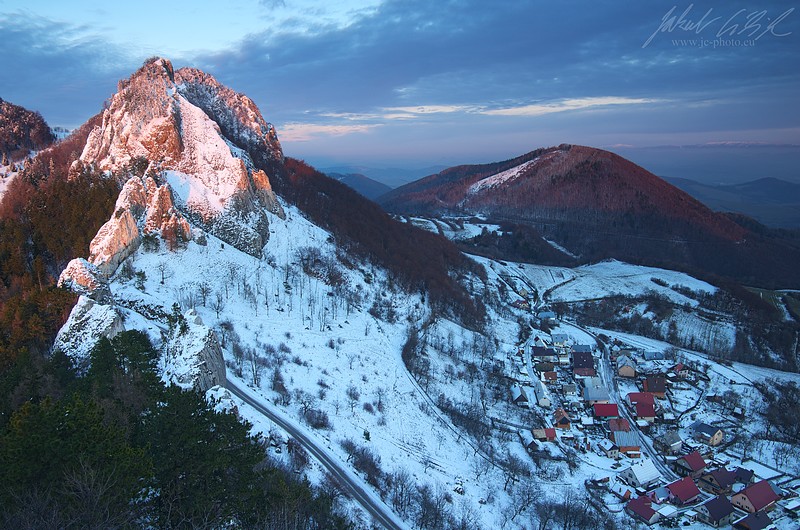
x: 196, y: 136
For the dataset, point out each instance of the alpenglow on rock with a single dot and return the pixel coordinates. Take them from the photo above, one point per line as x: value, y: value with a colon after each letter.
x: 197, y: 137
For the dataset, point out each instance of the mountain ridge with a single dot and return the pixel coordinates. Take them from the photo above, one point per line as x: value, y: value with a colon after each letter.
x: 600, y: 205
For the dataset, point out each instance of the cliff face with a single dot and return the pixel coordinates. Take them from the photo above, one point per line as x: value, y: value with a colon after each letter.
x: 195, y: 136
x: 142, y: 208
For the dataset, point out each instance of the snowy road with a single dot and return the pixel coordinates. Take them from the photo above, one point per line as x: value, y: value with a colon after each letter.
x: 380, y: 512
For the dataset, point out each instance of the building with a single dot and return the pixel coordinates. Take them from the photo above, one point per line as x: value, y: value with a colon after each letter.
x: 642, y: 474
x: 640, y: 397
x: 542, y: 395
x: 641, y: 509
x: 544, y: 435
x: 754, y: 521
x: 669, y: 443
x: 691, y: 465
x: 706, y: 433
x: 683, y: 491
x: 560, y: 339
x: 654, y: 355
x: 656, y: 385
x: 609, y: 448
x: 604, y: 411
x: 628, y: 443
x: 722, y: 480
x: 594, y: 391
x: 582, y: 348
x: 583, y: 364
x: 756, y: 497
x: 717, y: 512
x: 561, y: 419
x: 619, y: 424
x: 544, y: 354
x: 626, y: 367
x: 518, y: 396
x: 528, y: 441
x: 646, y: 412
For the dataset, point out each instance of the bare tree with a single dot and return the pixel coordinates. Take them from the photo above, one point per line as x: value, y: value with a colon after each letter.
x: 218, y: 303
x: 353, y: 395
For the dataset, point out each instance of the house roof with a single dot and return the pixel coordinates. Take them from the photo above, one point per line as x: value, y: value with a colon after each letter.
x: 619, y: 424
x: 645, y: 471
x: 606, y: 444
x: 684, y: 489
x: 754, y: 521
x: 550, y: 433
x: 582, y: 348
x: 517, y: 394
x: 582, y: 360
x: 694, y: 460
x: 606, y: 410
x: 641, y: 506
x: 641, y: 397
x: 625, y: 439
x: 705, y: 429
x: 645, y: 410
x: 719, y: 508
x: 656, y: 384
x: 550, y: 376
x: 670, y: 438
x: 560, y: 414
x: 723, y: 477
x: 624, y: 360
x: 744, y: 475
x: 760, y: 494
x: 540, y: 351
x: 595, y: 394
x: 560, y: 337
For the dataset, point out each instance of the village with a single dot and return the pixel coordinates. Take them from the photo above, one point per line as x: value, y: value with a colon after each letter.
x: 671, y: 450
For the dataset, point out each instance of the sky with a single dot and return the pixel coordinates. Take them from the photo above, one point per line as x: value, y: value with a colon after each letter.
x: 409, y: 83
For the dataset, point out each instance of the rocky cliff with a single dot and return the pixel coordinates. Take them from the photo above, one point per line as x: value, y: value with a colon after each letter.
x: 195, y: 137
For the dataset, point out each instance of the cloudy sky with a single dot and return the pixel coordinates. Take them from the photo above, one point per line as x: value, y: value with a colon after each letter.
x: 413, y: 83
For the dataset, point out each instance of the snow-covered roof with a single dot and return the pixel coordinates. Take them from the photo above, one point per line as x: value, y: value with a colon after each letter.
x: 645, y: 471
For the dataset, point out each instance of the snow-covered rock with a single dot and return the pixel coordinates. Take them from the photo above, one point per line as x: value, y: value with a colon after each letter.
x: 84, y: 278
x: 88, y: 322
x: 196, y: 135
x: 193, y: 357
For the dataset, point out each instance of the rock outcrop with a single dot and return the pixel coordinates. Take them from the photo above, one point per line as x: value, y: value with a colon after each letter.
x: 143, y: 207
x: 196, y: 137
x: 193, y: 356
x: 88, y: 322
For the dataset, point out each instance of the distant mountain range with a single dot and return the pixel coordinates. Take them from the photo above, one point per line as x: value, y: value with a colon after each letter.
x: 771, y: 201
x: 392, y: 177
x: 599, y: 205
x: 369, y: 188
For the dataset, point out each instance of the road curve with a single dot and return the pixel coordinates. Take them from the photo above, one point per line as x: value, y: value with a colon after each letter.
x: 380, y: 513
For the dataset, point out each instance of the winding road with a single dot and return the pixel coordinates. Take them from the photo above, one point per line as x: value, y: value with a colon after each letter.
x: 380, y: 513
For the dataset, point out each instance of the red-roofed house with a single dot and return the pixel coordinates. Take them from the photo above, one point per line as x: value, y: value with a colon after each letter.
x: 605, y: 410
x: 646, y: 412
x: 619, y: 424
x: 691, y: 465
x: 640, y: 509
x: 545, y: 435
x: 640, y: 397
x: 683, y: 491
x: 756, y: 497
